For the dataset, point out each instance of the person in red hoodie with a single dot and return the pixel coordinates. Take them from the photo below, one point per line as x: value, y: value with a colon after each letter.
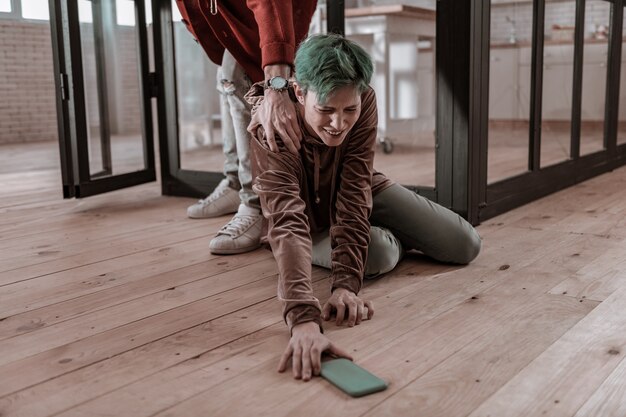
x: 252, y: 41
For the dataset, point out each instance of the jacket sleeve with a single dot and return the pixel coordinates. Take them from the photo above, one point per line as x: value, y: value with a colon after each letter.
x: 276, y: 30
x: 278, y: 187
x: 350, y: 233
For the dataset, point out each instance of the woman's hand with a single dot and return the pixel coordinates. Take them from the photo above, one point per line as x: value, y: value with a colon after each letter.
x: 345, y: 302
x: 305, y: 350
x: 277, y: 114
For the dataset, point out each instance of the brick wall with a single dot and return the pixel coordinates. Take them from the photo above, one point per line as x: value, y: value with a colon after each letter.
x: 128, y: 102
x: 27, y: 95
x: 557, y: 12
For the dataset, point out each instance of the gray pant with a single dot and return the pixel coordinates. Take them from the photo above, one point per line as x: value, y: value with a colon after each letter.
x: 233, y: 84
x: 403, y: 220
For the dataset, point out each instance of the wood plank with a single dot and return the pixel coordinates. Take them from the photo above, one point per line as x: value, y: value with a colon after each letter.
x: 201, y: 315
x: 402, y: 360
x: 559, y: 381
x: 518, y: 248
x: 89, y: 221
x: 50, y: 259
x: 422, y: 340
x: 185, y: 380
x: 66, y: 285
x: 208, y: 284
x: 138, y: 360
x: 189, y: 339
x: 155, y: 210
x: 191, y: 383
x: 167, y: 279
x: 467, y: 378
x: 599, y: 278
x: 609, y: 400
x: 210, y: 345
x: 167, y: 357
x: 443, y: 287
x: 602, y: 215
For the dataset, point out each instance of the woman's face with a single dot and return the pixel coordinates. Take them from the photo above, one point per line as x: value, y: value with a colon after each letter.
x: 332, y: 120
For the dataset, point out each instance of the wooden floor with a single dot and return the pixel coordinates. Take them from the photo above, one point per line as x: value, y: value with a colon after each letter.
x: 112, y: 306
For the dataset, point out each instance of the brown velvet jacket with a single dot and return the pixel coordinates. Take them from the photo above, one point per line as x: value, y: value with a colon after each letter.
x: 320, y: 188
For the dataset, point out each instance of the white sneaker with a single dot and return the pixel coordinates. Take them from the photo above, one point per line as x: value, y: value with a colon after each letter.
x: 223, y: 200
x: 241, y: 234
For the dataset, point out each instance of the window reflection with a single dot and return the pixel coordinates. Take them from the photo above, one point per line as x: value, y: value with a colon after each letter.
x: 5, y: 6
x: 125, y: 10
x: 509, y: 89
x: 595, y: 59
x: 111, y: 70
x: 558, y: 70
x: 35, y: 9
x: 199, y: 121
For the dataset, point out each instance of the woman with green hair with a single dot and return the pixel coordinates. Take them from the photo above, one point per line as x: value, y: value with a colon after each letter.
x: 325, y: 205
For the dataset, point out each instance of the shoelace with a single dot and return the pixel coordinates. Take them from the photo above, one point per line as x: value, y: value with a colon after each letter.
x: 217, y: 193
x: 238, y: 225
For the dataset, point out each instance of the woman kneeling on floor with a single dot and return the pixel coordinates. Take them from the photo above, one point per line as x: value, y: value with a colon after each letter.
x: 320, y: 202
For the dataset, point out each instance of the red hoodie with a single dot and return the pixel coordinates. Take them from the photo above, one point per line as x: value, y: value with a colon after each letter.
x: 256, y: 32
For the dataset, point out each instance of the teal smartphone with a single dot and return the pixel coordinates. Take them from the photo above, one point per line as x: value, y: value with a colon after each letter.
x: 351, y: 378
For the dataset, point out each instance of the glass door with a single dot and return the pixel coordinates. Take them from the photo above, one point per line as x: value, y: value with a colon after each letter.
x: 103, y: 95
x: 187, y: 107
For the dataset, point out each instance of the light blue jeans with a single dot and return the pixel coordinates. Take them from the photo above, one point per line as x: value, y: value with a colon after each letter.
x: 233, y: 84
x: 403, y: 220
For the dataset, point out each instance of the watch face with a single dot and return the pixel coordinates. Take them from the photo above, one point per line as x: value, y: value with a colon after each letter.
x: 278, y: 83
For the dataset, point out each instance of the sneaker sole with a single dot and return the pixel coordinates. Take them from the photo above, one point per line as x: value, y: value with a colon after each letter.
x: 212, y: 216
x: 234, y: 251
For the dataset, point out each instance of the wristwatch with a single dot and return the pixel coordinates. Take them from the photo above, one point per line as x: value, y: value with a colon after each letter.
x: 277, y: 83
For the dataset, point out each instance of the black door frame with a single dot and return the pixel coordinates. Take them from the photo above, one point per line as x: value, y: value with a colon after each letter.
x: 462, y: 62
x: 77, y: 179
x: 462, y: 76
x: 174, y: 179
x: 462, y: 113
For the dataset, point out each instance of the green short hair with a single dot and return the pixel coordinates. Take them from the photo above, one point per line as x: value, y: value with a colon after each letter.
x: 327, y: 62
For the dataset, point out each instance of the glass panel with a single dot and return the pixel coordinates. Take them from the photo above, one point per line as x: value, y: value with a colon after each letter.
x: 621, y: 127
x: 407, y: 153
x: 597, y: 16
x: 84, y: 11
x: 91, y: 82
x: 509, y: 89
x: 125, y: 100
x: 199, y: 120
x: 404, y: 81
x: 35, y: 9
x: 125, y: 12
x: 558, y: 68
x: 5, y: 6
x: 112, y: 92
x: 176, y: 17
